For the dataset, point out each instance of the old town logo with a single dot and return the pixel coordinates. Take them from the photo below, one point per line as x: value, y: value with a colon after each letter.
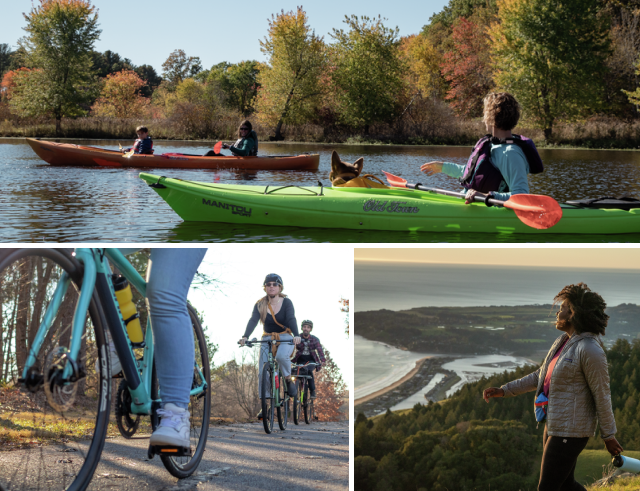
x: 389, y: 206
x: 235, y: 210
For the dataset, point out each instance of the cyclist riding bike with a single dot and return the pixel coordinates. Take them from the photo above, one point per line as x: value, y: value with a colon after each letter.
x: 276, y: 314
x: 309, y: 350
x: 170, y: 276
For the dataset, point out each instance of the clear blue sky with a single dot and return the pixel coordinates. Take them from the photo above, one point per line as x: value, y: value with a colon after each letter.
x: 147, y: 32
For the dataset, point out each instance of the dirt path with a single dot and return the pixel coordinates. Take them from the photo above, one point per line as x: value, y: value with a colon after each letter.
x: 380, y: 392
x: 237, y: 457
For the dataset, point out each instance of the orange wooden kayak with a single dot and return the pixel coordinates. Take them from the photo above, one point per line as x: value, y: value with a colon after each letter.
x: 70, y: 154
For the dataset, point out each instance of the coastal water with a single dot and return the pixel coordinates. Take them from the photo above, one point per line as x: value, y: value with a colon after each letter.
x: 378, y: 365
x: 70, y: 204
x: 398, y: 286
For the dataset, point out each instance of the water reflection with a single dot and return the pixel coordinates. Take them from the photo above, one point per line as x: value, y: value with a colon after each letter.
x: 57, y: 204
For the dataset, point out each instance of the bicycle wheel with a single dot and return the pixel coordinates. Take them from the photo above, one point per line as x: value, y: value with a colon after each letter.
x: 283, y: 407
x: 52, y: 430
x: 266, y: 398
x: 297, y: 401
x: 307, y: 405
x: 199, y: 406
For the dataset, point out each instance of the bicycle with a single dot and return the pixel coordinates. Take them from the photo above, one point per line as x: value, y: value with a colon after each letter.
x: 60, y: 398
x: 302, y: 401
x: 278, y: 396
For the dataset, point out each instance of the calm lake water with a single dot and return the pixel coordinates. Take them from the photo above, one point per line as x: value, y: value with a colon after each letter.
x: 70, y: 204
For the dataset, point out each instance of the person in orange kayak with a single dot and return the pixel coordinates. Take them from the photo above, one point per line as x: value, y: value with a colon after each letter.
x: 245, y: 146
x: 500, y: 161
x: 144, y: 143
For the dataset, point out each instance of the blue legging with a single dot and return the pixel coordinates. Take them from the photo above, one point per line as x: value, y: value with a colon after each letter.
x: 170, y: 276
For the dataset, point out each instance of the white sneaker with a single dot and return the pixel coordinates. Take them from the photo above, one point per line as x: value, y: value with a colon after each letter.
x: 114, y: 361
x: 174, y: 427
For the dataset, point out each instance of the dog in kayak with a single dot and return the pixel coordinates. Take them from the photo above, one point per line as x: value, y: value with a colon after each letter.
x: 344, y: 174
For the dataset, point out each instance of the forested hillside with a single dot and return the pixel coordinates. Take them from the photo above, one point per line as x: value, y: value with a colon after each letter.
x: 464, y: 442
x: 520, y: 330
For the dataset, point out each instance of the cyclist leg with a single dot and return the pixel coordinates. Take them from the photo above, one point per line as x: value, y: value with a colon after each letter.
x: 284, y: 361
x: 264, y: 358
x: 312, y: 384
x: 171, y: 274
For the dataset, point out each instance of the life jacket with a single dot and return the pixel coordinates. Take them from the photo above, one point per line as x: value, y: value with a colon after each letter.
x: 254, y: 136
x: 481, y: 173
x: 364, y: 181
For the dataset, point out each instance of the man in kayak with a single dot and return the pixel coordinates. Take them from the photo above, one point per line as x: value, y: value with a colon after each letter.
x: 144, y: 143
x: 501, y: 114
x: 245, y: 146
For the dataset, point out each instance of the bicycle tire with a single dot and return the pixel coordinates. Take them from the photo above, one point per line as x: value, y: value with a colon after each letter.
x: 81, y: 428
x: 283, y: 407
x: 199, y: 408
x: 267, y: 402
x: 307, y: 404
x: 297, y: 403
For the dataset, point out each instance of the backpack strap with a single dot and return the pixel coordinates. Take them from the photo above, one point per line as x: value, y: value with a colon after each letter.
x: 275, y: 336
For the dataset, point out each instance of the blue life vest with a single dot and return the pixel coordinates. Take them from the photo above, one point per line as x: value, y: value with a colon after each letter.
x: 481, y: 174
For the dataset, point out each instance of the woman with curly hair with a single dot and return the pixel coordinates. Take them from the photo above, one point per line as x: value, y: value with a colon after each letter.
x: 572, y: 388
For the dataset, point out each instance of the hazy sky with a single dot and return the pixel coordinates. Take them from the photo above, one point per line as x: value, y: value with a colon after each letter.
x: 315, y: 294
x: 573, y: 257
x: 147, y: 32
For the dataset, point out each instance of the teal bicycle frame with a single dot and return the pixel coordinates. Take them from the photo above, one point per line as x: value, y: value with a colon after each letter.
x: 97, y: 276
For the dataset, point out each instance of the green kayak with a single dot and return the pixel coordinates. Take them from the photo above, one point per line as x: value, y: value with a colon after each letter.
x: 368, y: 209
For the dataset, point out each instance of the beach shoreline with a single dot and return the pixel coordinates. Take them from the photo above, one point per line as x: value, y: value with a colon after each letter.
x: 394, y: 385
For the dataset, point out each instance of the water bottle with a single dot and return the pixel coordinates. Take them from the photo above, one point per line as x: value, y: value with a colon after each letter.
x: 128, y: 309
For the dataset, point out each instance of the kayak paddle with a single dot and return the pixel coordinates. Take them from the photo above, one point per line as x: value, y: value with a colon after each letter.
x: 129, y: 154
x: 217, y: 147
x: 120, y: 146
x: 534, y: 210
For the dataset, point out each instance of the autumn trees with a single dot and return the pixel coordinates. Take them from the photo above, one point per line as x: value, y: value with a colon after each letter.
x: 290, y: 89
x: 60, y: 38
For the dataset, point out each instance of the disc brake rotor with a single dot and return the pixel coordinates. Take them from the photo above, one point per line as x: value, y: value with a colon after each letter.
x: 60, y: 394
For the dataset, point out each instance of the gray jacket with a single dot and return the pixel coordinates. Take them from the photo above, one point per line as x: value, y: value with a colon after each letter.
x: 579, y: 394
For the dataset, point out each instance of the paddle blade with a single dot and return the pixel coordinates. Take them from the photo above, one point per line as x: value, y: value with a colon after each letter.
x: 120, y: 146
x: 129, y: 154
x: 395, y: 181
x: 544, y: 211
x: 217, y: 147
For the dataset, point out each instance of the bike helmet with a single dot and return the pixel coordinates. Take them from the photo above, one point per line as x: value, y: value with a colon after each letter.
x: 273, y: 277
x: 308, y: 322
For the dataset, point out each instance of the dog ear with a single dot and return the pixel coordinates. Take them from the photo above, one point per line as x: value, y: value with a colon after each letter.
x: 335, y: 159
x: 359, y: 164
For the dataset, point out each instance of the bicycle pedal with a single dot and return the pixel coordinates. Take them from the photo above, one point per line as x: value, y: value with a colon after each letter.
x: 171, y: 450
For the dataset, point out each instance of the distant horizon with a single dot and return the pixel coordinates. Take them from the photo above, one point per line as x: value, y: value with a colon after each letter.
x: 444, y: 263
x: 476, y: 306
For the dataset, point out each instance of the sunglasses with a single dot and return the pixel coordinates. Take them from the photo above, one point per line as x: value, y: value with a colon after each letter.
x: 271, y: 284
x: 244, y: 129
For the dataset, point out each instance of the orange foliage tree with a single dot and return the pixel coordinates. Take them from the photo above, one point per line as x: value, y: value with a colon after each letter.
x: 9, y: 80
x: 466, y: 68
x: 120, y: 96
x: 331, y: 390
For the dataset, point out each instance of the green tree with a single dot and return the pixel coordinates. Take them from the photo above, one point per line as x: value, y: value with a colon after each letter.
x: 368, y: 71
x: 551, y: 56
x: 238, y: 82
x: 59, y: 42
x: 109, y: 62
x: 5, y: 58
x: 150, y: 76
x: 178, y: 66
x: 290, y: 92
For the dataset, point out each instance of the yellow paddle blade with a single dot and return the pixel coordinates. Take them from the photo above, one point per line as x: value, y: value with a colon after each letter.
x: 120, y: 146
x: 129, y: 154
